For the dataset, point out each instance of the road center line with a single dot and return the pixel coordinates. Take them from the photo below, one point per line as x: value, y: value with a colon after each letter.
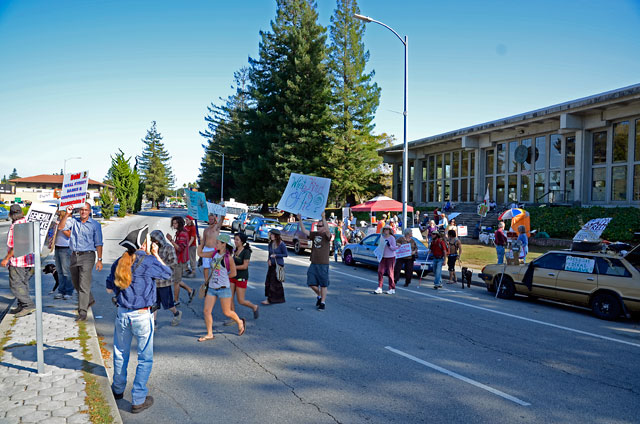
x: 459, y: 377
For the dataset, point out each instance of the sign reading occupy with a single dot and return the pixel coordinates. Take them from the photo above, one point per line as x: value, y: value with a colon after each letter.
x: 197, y: 205
x: 592, y: 230
x: 74, y: 189
x: 44, y: 214
x: 305, y: 195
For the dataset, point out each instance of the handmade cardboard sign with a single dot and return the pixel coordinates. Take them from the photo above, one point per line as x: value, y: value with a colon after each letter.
x: 404, y: 250
x: 44, y: 214
x: 578, y: 264
x: 197, y: 205
x: 462, y: 231
x: 74, y: 189
x: 592, y: 230
x: 216, y: 209
x: 305, y: 195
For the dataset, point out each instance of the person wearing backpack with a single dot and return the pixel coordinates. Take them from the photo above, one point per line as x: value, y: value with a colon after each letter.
x: 219, y: 286
x: 439, y: 250
x: 455, y: 250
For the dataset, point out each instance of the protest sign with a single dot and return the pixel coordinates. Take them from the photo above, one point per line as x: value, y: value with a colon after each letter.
x: 379, y: 252
x: 591, y: 230
x: 345, y: 214
x: 197, y: 205
x: 403, y: 251
x: 483, y: 209
x: 216, y: 209
x: 578, y: 264
x: 44, y: 214
x: 74, y: 189
x: 462, y: 231
x: 305, y: 195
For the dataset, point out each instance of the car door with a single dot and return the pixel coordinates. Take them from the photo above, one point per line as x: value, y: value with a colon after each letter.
x: 545, y: 274
x: 614, y: 275
x: 285, y: 235
x: 251, y: 227
x: 577, y: 280
x: 366, y: 249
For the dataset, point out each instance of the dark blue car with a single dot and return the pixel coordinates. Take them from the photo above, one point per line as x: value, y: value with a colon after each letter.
x: 363, y: 252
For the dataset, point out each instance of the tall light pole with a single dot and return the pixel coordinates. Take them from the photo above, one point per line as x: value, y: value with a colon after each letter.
x: 405, y: 151
x: 221, y: 176
x: 64, y: 168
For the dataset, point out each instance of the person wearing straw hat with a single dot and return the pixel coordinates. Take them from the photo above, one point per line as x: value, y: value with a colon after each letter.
x: 132, y: 280
x: 219, y: 285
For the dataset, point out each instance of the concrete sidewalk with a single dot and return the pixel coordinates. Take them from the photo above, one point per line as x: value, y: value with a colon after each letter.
x: 73, y: 368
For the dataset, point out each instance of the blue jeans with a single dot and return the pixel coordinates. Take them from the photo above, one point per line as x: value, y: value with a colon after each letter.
x: 437, y: 271
x: 63, y: 259
x: 500, y: 252
x: 132, y: 323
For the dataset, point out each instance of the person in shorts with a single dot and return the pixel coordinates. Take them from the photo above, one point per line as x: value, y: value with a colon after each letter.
x: 455, y: 250
x: 181, y: 244
x: 318, y: 272
x: 164, y: 294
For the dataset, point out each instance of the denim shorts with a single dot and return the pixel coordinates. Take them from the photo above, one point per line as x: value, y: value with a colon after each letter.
x: 221, y: 293
x: 318, y: 275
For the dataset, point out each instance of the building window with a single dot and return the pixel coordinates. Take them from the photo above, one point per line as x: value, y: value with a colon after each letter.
x: 555, y: 151
x: 620, y: 141
x: 570, y: 152
x: 501, y: 158
x: 500, y: 189
x: 454, y: 191
x: 472, y: 168
x: 555, y: 193
x: 538, y: 188
x: 637, y: 149
x: 456, y: 164
x: 526, y: 165
x: 569, y: 185
x: 439, y: 167
x: 447, y: 165
x: 490, y: 188
x: 599, y: 149
x: 513, y: 188
x: 541, y: 153
x: 619, y: 183
x: 636, y: 183
x: 464, y: 190
x: 465, y: 164
x: 513, y: 165
x: 525, y: 188
x: 489, y: 161
x: 598, y: 184
x: 432, y: 167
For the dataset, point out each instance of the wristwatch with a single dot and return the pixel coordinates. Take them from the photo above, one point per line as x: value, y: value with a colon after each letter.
x: 99, y: 259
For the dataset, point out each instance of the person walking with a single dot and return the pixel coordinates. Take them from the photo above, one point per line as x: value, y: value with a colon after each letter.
x: 273, y: 290
x: 131, y: 279
x: 318, y: 271
x: 455, y: 250
x: 388, y: 260
x: 85, y: 240
x: 241, y: 257
x: 431, y: 230
x: 164, y: 293
x: 407, y: 262
x: 452, y: 226
x: 209, y: 242
x: 500, y: 240
x: 219, y: 285
x: 524, y: 243
x: 338, y: 237
x: 380, y: 225
x: 439, y: 251
x: 62, y: 256
x: 20, y: 268
x: 193, y: 247
x: 181, y: 245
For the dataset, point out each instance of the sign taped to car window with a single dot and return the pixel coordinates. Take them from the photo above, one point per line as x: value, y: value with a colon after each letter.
x: 579, y: 264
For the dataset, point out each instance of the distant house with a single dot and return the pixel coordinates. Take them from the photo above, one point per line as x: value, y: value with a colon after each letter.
x: 47, y: 187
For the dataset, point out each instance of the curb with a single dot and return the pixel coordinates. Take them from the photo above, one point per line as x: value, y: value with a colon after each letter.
x: 99, y: 369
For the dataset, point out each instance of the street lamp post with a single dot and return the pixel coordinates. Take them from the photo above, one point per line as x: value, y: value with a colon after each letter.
x: 64, y: 168
x: 405, y: 150
x: 221, y: 176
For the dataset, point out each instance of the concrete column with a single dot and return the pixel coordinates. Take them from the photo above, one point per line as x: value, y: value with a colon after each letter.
x: 417, y: 180
x: 479, y: 179
x: 582, y: 178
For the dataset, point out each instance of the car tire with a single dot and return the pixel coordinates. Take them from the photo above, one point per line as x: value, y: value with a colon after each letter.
x: 348, y: 258
x: 507, y: 288
x: 605, y: 306
x: 297, y: 248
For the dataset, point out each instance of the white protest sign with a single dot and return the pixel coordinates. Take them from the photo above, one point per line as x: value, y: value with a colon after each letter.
x: 462, y: 231
x: 403, y: 251
x: 379, y: 252
x: 216, y: 209
x: 74, y: 189
x: 305, y: 195
x: 591, y: 230
x: 579, y: 264
x: 44, y: 214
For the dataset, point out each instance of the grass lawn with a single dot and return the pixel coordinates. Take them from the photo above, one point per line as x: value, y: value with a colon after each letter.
x: 479, y: 255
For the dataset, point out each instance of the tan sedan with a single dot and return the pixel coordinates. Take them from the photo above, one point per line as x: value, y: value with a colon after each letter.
x: 607, y: 283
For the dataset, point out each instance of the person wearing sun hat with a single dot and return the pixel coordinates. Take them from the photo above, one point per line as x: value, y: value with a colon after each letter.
x: 132, y: 280
x: 219, y: 286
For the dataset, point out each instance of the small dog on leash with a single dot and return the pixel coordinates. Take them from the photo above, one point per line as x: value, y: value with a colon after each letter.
x: 51, y: 269
x: 466, y: 276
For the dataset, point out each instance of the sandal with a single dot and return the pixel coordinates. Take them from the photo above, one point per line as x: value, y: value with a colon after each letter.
x: 206, y: 338
x: 256, y: 313
x: 244, y: 327
x: 266, y: 302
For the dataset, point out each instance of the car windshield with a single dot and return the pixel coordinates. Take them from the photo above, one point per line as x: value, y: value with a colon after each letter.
x: 270, y: 222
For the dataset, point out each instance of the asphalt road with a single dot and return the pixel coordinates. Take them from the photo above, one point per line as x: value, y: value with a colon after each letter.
x: 417, y: 356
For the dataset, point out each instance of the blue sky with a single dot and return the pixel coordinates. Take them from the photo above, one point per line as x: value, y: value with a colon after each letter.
x: 84, y: 78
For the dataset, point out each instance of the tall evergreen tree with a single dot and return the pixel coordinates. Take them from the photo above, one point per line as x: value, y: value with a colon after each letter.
x: 155, y: 170
x: 288, y: 130
x: 225, y: 134
x: 14, y: 174
x: 354, y: 160
x: 4, y: 179
x: 124, y: 181
x: 106, y: 203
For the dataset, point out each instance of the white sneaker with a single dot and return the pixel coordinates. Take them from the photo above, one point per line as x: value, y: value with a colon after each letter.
x: 67, y: 297
x: 58, y: 296
x: 176, y: 319
x: 378, y: 291
x: 390, y: 292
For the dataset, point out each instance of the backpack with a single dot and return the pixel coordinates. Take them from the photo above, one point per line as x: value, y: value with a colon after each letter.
x: 438, y: 248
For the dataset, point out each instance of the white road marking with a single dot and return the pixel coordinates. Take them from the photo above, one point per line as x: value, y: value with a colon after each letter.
x: 459, y: 377
x: 506, y: 314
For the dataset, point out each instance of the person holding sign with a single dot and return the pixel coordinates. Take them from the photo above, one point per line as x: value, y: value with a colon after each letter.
x: 405, y: 257
x: 318, y: 271
x: 387, y: 261
x: 455, y: 250
x: 85, y: 241
x: 209, y: 240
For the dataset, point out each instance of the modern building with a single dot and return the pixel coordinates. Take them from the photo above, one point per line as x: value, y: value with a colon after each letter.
x: 582, y: 152
x: 46, y: 187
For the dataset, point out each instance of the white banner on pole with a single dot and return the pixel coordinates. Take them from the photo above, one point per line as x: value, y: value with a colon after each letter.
x: 305, y: 195
x: 74, y: 189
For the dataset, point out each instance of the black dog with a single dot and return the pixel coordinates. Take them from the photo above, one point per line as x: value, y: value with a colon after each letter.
x: 466, y: 276
x: 51, y: 269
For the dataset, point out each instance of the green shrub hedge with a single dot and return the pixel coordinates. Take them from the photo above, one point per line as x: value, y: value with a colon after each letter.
x: 565, y: 222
